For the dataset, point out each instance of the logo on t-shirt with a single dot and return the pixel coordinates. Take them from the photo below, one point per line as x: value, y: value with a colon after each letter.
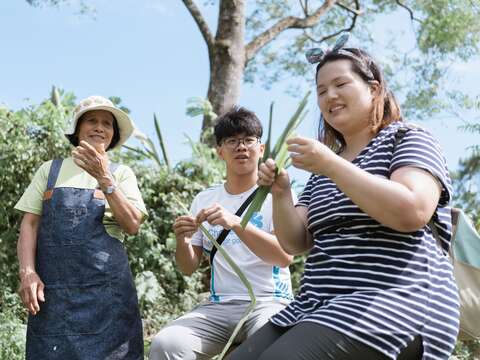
x: 257, y: 220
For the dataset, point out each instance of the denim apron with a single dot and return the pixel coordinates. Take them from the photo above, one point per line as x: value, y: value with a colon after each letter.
x: 91, y: 307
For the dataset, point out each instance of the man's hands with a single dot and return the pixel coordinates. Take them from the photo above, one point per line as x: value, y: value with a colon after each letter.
x: 31, y: 291
x: 185, y: 226
x: 217, y: 215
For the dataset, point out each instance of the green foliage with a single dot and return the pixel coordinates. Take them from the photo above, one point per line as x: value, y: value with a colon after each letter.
x: 466, y: 179
x: 449, y: 27
x: 466, y: 186
x: 28, y: 138
x: 197, y: 106
x: 446, y: 32
x: 12, y: 326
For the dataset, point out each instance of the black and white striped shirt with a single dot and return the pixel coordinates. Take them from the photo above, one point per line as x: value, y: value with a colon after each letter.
x: 374, y: 284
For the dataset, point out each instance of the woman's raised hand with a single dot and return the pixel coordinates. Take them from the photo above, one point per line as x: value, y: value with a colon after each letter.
x: 311, y: 155
x: 267, y: 177
x: 93, y: 160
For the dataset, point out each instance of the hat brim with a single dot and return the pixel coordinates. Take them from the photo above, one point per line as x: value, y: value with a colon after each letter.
x: 125, y: 124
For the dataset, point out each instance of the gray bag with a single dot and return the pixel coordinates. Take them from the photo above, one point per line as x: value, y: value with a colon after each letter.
x: 464, y: 254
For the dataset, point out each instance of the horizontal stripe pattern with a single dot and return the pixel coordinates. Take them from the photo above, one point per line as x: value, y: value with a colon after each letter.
x: 377, y: 285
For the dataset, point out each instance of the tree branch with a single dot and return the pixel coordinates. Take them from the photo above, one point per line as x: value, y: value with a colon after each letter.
x: 410, y: 11
x: 201, y: 23
x: 356, y: 12
x: 290, y: 22
x: 304, y: 7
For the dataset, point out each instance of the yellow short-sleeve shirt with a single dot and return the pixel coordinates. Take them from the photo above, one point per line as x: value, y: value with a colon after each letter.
x: 71, y: 175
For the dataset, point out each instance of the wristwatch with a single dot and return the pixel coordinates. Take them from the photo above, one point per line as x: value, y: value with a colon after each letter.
x: 109, y: 189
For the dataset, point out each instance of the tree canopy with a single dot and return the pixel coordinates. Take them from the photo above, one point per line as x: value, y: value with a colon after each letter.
x: 265, y: 41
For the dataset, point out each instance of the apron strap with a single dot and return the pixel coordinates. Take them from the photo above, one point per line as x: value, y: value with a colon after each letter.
x: 53, y: 174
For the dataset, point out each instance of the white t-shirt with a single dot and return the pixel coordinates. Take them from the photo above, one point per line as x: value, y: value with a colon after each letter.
x: 268, y: 282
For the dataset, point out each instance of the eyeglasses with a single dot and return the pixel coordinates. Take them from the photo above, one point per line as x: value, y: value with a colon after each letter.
x: 232, y: 143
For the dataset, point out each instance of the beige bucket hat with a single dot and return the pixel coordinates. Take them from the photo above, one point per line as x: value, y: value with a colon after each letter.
x: 95, y: 102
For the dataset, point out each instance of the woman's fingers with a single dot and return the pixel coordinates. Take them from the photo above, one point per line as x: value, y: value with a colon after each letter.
x: 33, y: 297
x: 40, y: 292
x: 88, y: 149
x: 296, y: 149
x: 31, y: 308
x: 84, y: 153
x: 79, y: 161
x: 31, y: 292
x: 300, y: 140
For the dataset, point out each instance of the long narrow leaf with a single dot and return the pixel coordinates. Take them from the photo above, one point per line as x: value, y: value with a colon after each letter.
x: 161, y: 141
x: 256, y: 205
x: 239, y: 273
x: 282, y: 157
x: 268, y: 144
x: 153, y: 150
x: 139, y: 151
x: 291, y: 125
x: 287, y: 163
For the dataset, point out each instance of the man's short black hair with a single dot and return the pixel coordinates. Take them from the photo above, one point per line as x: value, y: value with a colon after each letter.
x: 236, y: 121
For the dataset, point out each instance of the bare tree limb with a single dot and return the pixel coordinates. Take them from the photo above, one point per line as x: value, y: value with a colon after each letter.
x: 304, y: 6
x: 289, y: 22
x: 410, y: 11
x: 202, y: 25
x: 356, y: 12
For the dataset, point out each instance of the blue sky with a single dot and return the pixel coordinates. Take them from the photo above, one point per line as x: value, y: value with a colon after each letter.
x: 150, y: 53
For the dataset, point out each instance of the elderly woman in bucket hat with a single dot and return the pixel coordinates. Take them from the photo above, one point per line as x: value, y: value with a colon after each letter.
x: 74, y: 273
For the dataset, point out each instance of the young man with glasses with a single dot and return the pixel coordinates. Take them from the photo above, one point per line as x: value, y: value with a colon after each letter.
x: 203, y: 332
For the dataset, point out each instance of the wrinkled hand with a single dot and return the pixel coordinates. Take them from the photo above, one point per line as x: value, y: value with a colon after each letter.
x: 93, y: 160
x: 31, y: 292
x: 311, y: 155
x: 184, y: 227
x: 266, y: 177
x: 217, y: 215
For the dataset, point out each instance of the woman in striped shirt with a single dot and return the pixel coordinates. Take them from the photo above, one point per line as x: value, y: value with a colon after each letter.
x: 376, y: 284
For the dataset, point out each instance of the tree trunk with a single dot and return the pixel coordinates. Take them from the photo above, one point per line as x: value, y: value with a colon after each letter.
x: 227, y: 63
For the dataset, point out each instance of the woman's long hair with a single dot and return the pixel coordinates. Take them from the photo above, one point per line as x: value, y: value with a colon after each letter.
x: 386, y: 109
